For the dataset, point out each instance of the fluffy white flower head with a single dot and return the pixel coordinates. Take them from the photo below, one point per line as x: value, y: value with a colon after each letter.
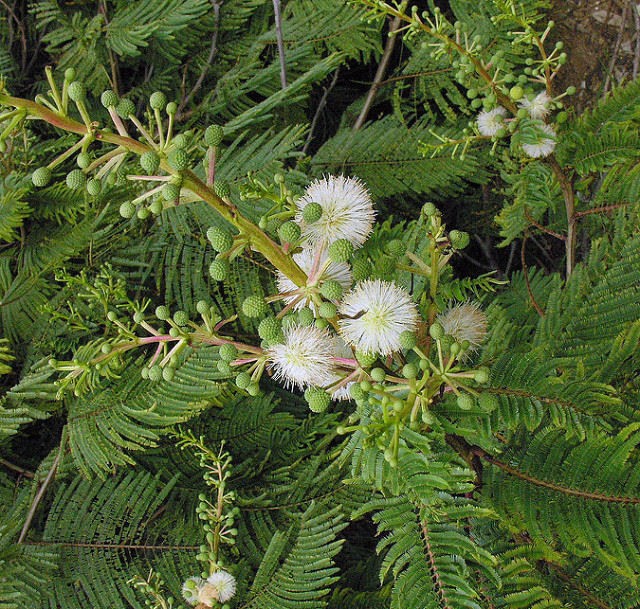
x: 490, y: 122
x: 544, y: 146
x: 305, y: 357
x: 465, y: 322
x: 538, y: 107
x: 190, y: 589
x: 347, y: 211
x: 377, y: 312
x: 220, y: 586
x: 335, y: 271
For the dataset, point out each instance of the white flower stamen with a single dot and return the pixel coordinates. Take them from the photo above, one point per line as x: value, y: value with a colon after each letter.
x: 490, y: 122
x: 544, y: 146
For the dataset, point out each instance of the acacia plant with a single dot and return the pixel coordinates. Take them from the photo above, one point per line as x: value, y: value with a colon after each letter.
x: 232, y: 379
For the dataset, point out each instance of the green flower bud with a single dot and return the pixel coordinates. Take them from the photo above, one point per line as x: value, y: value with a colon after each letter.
x: 178, y: 159
x: 270, y: 329
x: 340, y: 250
x: 254, y: 306
x: 222, y: 189
x: 289, y: 232
x: 378, y: 375
x: 396, y: 248
x: 109, y: 99
x: 156, y: 207
x: 70, y: 74
x: 228, y: 352
x: 168, y: 373
x: 223, y: 367
x: 76, y: 179
x: 213, y: 135
x: 172, y: 108
x: 317, y: 398
x: 219, y: 269
x: 459, y: 239
x: 410, y: 371
x: 436, y: 331
x: 163, y: 313
x: 203, y: 307
x: 170, y: 192
x: 331, y: 290
x: 516, y: 92
x: 408, y: 340
x: 41, y: 176
x: 327, y: 310
x: 306, y: 316
x: 180, y: 141
x: 181, y: 318
x: 220, y: 239
x: 127, y: 210
x: 312, y: 212
x: 83, y: 160
x: 429, y: 209
x: 243, y: 380
x: 355, y: 391
x: 155, y: 373
x: 366, y: 359
x: 158, y: 100
x: 481, y: 375
x: 125, y: 108
x: 94, y: 187
x: 465, y: 401
x: 361, y: 269
x: 77, y: 91
x: 150, y: 161
x: 253, y: 389
x: 143, y: 213
x: 488, y: 402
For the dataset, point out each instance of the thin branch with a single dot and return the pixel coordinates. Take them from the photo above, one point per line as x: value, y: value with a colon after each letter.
x: 616, y: 48
x: 111, y: 546
x: 380, y: 73
x: 16, y: 468
x: 569, y: 204
x: 435, y: 576
x: 525, y: 272
x: 544, y: 229
x: 212, y: 53
x: 23, y: 35
x: 321, y: 105
x: 38, y: 498
x: 280, y: 39
x: 602, y: 209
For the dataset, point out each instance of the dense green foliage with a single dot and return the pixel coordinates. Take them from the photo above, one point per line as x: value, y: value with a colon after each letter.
x: 518, y: 487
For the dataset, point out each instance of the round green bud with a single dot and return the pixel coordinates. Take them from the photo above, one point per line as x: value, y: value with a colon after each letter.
x: 41, y: 176
x: 125, y: 108
x: 168, y: 373
x: 228, y: 352
x: 158, y: 100
x: 522, y: 113
x: 465, y: 401
x: 76, y: 179
x: 156, y: 207
x: 83, y: 160
x: 289, y: 320
x: 172, y: 108
x: 170, y: 192
x: 163, y: 313
x: 571, y: 90
x: 94, y: 187
x: 213, y: 135
x: 454, y: 349
x: 203, y: 307
x: 327, y: 310
x: 181, y: 318
x: 155, y: 373
x: 143, y: 213
x: 410, y: 371
x: 459, y: 239
x: 340, y: 250
x: 481, y: 375
x: 378, y: 375
x: 109, y: 99
x: 127, y: 210
x: 254, y: 306
x: 361, y: 269
x: 396, y: 248
x: 289, y: 232
x: 144, y: 373
x: 70, y: 74
x: 476, y: 103
x: 436, y: 331
x: 331, y: 290
x: 76, y: 91
x: 219, y: 269
x: 321, y: 323
x: 178, y: 159
x: 562, y: 59
x: 488, y: 402
x: 270, y: 329
x: 561, y: 117
x: 429, y: 209
x: 366, y: 359
x: 408, y: 340
x: 223, y: 367
x: 222, y: 189
x: 472, y: 93
x: 366, y: 386
x: 253, y: 389
x: 243, y: 380
x: 150, y: 161
x: 355, y: 391
x: 312, y: 212
x: 317, y: 398
x: 180, y: 141
x: 516, y: 92
x: 220, y: 239
x: 305, y: 316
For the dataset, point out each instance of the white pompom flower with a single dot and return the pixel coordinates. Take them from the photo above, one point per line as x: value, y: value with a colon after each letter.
x: 347, y: 211
x: 544, y: 146
x: 191, y: 588
x: 464, y: 322
x: 304, y: 358
x: 538, y: 107
x: 376, y: 314
x: 490, y: 122
x: 325, y: 271
x: 219, y: 586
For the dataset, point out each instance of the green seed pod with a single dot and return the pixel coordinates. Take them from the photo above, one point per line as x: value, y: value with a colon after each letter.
x: 221, y: 240
x: 181, y: 318
x: 127, y: 210
x: 340, y: 250
x: 254, y: 306
x: 150, y: 161
x: 219, y: 269
x: 305, y: 316
x: 228, y: 352
x: 163, y: 313
x: 125, y: 108
x: 77, y: 91
x: 83, y: 160
x: 178, y: 159
x: 76, y: 179
x: 312, y: 212
x: 170, y: 192
x: 222, y: 189
x: 158, y: 100
x: 94, y: 187
x: 41, y: 176
x: 289, y: 232
x: 213, y: 135
x: 243, y: 380
x: 317, y: 398
x: 109, y: 99
x: 331, y: 290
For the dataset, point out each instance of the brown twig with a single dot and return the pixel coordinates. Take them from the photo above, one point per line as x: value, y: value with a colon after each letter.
x: 16, y: 468
x: 544, y: 229
x: 602, y: 209
x: 525, y: 272
x: 380, y: 73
